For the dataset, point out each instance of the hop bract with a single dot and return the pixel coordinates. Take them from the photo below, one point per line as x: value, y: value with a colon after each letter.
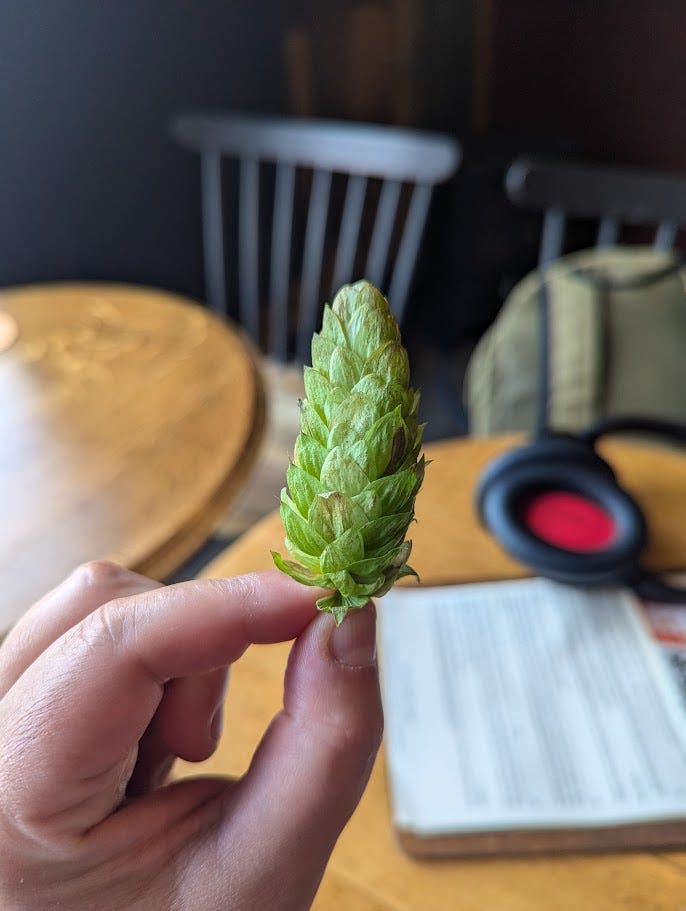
x: 356, y: 468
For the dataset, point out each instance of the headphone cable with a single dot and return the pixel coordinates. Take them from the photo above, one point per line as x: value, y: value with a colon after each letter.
x: 542, y: 417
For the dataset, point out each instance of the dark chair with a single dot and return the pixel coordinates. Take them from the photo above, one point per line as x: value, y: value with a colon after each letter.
x: 614, y: 196
x: 365, y: 191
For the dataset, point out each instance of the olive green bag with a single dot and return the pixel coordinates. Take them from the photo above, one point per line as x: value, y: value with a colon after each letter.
x: 616, y: 344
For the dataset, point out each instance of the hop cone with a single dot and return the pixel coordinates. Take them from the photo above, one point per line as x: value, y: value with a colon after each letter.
x: 355, y: 473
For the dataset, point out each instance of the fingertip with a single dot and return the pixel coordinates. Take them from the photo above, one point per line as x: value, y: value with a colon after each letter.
x: 353, y: 643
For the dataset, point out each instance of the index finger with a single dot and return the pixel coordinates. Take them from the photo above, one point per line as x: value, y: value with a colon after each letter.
x: 71, y: 724
x: 84, y: 590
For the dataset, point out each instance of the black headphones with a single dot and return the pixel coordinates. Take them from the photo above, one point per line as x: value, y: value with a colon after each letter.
x: 556, y: 506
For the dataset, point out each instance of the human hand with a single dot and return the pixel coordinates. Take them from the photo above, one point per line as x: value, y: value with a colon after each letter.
x: 110, y: 677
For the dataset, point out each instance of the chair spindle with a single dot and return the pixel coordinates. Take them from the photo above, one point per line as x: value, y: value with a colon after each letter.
x: 552, y: 238
x: 351, y: 219
x: 608, y: 231
x: 248, y: 247
x: 665, y: 235
x: 279, y: 284
x: 409, y: 248
x: 213, y: 232
x: 383, y: 230
x: 312, y: 260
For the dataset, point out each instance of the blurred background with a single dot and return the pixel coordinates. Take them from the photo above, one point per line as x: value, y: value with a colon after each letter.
x: 93, y: 186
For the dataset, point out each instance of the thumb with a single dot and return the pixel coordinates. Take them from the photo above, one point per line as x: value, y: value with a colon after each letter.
x: 311, y: 768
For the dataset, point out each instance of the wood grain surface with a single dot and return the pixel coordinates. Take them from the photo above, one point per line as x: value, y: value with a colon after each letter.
x: 368, y: 870
x: 128, y: 418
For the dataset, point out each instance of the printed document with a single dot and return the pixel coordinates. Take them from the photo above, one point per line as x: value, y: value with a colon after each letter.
x: 528, y: 704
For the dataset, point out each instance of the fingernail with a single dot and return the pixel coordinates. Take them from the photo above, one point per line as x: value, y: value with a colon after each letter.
x: 216, y: 724
x: 353, y: 643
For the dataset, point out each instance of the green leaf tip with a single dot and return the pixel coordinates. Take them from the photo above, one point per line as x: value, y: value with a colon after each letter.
x: 356, y: 469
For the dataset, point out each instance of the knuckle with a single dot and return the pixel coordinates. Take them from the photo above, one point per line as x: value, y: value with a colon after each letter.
x: 353, y: 729
x: 117, y: 621
x: 244, y: 594
x: 347, y: 750
x: 112, y: 624
x: 241, y: 589
x: 98, y: 574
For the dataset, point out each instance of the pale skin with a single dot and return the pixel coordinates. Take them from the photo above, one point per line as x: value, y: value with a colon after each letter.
x: 110, y: 677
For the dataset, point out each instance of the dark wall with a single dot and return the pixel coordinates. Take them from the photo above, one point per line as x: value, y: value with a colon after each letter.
x: 91, y: 186
x: 600, y: 80
x: 607, y: 75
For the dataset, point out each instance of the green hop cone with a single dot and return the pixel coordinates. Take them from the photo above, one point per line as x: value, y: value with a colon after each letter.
x: 356, y: 470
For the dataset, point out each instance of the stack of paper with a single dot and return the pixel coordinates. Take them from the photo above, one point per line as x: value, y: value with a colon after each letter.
x: 528, y: 706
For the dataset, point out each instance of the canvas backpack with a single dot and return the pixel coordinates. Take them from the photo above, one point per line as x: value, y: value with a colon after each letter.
x: 616, y: 344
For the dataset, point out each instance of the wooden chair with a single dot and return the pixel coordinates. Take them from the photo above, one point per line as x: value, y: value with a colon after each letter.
x: 365, y: 191
x: 613, y: 196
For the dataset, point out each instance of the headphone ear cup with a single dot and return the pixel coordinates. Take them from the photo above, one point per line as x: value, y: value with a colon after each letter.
x: 570, y: 468
x: 553, y: 450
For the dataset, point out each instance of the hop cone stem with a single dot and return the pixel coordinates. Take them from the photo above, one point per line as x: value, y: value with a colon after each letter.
x: 356, y: 469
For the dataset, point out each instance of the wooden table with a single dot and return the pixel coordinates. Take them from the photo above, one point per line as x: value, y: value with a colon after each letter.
x: 368, y: 871
x: 128, y: 419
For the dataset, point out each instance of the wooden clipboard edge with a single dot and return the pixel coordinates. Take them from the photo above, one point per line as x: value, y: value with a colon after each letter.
x: 641, y: 836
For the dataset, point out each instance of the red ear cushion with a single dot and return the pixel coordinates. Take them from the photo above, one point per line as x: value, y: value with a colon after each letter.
x: 569, y: 521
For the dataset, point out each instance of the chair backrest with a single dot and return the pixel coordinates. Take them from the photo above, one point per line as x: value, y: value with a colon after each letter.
x: 613, y: 196
x: 387, y: 175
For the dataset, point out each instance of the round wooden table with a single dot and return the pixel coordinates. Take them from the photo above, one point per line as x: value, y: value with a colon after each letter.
x: 368, y: 871
x: 128, y: 417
